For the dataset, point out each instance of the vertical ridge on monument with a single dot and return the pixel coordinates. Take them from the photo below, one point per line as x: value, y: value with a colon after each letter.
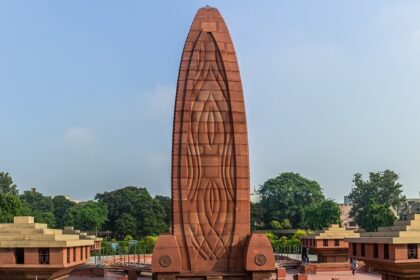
x: 210, y: 166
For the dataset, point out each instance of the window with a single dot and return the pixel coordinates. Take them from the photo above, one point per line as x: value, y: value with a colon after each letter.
x: 336, y: 242
x: 74, y: 254
x: 412, y: 251
x: 325, y: 242
x: 354, y: 249
x: 386, y: 251
x: 20, y: 255
x: 81, y: 253
x: 44, y: 255
x: 363, y: 250
x: 375, y: 250
x: 68, y: 255
x: 86, y: 251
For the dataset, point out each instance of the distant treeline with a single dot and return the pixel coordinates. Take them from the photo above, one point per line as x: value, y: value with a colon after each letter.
x: 127, y: 211
x: 287, y: 201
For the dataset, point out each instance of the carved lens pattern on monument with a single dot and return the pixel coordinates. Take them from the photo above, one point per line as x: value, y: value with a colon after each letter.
x: 210, y: 187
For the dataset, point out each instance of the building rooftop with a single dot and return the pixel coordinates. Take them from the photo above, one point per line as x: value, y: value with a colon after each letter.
x: 402, y: 232
x: 25, y: 233
x: 333, y: 232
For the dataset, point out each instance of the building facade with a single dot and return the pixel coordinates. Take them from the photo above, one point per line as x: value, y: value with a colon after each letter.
x: 393, y: 251
x: 31, y: 250
x: 330, y: 247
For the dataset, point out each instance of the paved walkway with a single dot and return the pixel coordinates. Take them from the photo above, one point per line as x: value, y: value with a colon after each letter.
x: 341, y: 275
x: 108, y: 276
x: 290, y: 272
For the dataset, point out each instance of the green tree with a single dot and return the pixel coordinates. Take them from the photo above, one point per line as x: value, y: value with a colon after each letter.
x: 295, y: 240
x: 378, y: 215
x: 10, y: 206
x: 45, y: 217
x: 137, y: 202
x: 275, y: 225
x: 322, y: 215
x: 381, y: 191
x: 126, y: 225
x: 166, y: 202
x: 61, y: 204
x: 286, y: 224
x: 7, y: 185
x: 257, y: 215
x: 69, y: 217
x: 40, y: 206
x: 150, y: 242
x: 88, y: 216
x: 154, y: 220
x: 287, y: 195
x: 270, y: 236
x: 299, y: 233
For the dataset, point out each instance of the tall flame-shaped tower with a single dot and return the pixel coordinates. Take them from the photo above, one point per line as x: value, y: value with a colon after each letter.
x: 210, y: 166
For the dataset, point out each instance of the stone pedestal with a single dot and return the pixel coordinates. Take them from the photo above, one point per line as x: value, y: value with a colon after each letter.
x: 280, y: 273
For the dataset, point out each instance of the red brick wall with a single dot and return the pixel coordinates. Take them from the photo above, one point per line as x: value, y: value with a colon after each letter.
x: 401, y: 252
x: 369, y: 250
x: 31, y: 256
x: 7, y: 256
x: 57, y: 256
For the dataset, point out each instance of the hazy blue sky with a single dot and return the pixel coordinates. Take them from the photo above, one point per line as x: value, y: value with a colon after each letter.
x: 87, y: 90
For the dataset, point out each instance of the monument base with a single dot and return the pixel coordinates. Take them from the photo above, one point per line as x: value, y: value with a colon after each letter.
x: 259, y: 262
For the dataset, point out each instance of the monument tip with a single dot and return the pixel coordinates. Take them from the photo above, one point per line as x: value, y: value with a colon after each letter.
x: 208, y: 7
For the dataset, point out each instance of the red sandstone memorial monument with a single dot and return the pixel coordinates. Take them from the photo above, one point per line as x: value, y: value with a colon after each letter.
x: 211, y: 235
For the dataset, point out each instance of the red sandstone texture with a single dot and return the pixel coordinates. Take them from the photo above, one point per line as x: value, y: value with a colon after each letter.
x: 210, y: 191
x: 210, y: 162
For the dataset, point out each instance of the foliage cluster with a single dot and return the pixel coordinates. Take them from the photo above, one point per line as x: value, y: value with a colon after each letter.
x: 287, y: 201
x: 281, y: 241
x: 127, y: 211
x: 292, y: 201
x: 133, y: 211
x: 374, y: 199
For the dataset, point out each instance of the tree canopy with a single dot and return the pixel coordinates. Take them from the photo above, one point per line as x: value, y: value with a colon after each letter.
x: 7, y: 185
x: 322, y: 215
x: 166, y: 202
x: 373, y: 198
x: 40, y: 206
x: 89, y: 216
x: 257, y: 215
x: 61, y: 204
x: 127, y: 211
x: 134, y: 201
x: 286, y: 197
x: 10, y: 206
